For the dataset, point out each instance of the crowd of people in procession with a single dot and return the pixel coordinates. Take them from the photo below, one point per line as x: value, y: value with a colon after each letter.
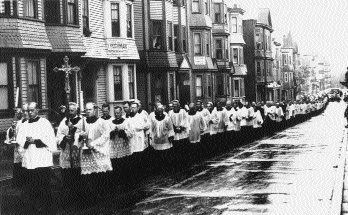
x: 100, y: 153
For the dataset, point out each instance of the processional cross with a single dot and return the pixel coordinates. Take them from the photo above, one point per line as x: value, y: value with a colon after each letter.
x: 68, y: 71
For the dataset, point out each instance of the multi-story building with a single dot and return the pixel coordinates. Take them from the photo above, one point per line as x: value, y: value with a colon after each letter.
x: 206, y: 84
x: 258, y: 57
x: 288, y: 53
x: 164, y: 71
x: 221, y: 43
x: 237, y: 43
x: 24, y: 46
x: 97, y: 36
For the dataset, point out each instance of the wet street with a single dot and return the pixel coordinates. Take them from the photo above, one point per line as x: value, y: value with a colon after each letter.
x: 292, y: 172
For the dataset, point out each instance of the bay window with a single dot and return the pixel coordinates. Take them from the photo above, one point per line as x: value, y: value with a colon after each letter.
x: 207, y: 44
x: 170, y: 36
x: 218, y: 49
x: 171, y: 87
x: 5, y: 8
x: 184, y: 38
x: 195, y: 6
x: 33, y: 81
x: 118, y: 93
x: 129, y: 21
x: 4, y: 86
x: 219, y: 85
x: 157, y: 34
x: 234, y: 24
x: 30, y: 8
x: 52, y: 11
x: 206, y: 6
x: 235, y: 56
x: 217, y: 13
x: 199, y: 86
x: 258, y: 68
x: 85, y: 17
x: 236, y: 88
x: 131, y: 81
x: 115, y: 19
x: 72, y: 12
x: 197, y: 44
x: 176, y: 38
x: 209, y: 85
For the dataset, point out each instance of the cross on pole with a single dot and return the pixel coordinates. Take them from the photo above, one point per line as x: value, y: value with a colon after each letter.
x: 68, y: 71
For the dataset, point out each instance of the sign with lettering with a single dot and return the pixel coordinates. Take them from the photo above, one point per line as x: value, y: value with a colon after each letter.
x: 199, y: 60
x: 118, y: 46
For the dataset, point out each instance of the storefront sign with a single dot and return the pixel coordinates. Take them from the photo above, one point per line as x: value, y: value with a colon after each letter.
x: 199, y: 60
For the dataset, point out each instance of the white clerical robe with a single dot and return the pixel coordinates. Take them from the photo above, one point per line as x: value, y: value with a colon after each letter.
x: 247, y: 116
x: 99, y: 139
x: 257, y: 119
x: 206, y: 116
x: 279, y: 114
x: 221, y: 114
x: 161, y: 130
x: 64, y: 158
x: 270, y: 112
x: 231, y: 119
x: 119, y: 146
x: 138, y: 125
x: 180, y: 119
x: 197, y: 125
x: 39, y: 129
x: 213, y: 122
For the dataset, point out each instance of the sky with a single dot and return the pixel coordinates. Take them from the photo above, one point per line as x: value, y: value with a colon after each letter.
x: 318, y: 26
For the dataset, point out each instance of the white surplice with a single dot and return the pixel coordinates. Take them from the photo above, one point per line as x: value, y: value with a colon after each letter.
x: 161, y: 130
x: 197, y: 126
x: 180, y: 119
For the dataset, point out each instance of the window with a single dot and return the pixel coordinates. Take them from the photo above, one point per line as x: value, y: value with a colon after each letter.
x: 234, y: 24
x: 241, y: 56
x: 284, y: 56
x: 199, y: 88
x: 184, y: 38
x: 236, y: 88
x: 235, y: 55
x: 198, y: 45
x: 85, y: 16
x: 170, y: 36
x: 5, y: 7
x: 171, y: 87
x: 206, y: 6
x: 72, y: 12
x: 30, y: 8
x: 195, y: 6
x: 209, y: 85
x: 217, y: 13
x: 129, y: 21
x: 33, y: 81
x: 131, y: 81
x: 289, y: 59
x: 115, y: 20
x: 286, y: 77
x: 258, y: 68
x: 176, y: 39
x: 117, y: 82
x: 240, y: 27
x: 220, y: 85
x: 157, y: 34
x: 207, y: 45
x: 218, y: 49
x: 52, y: 11
x: 4, y: 87
x: 258, y: 38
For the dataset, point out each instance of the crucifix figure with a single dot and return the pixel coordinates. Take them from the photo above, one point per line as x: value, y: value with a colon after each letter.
x: 68, y: 70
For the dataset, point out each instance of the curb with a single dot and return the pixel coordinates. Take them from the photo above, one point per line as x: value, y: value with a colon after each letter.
x: 337, y: 196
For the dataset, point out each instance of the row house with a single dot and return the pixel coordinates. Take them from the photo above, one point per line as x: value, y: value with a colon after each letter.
x: 259, y: 81
x: 24, y: 46
x: 97, y: 36
x: 236, y: 47
x: 288, y: 57
x: 162, y: 39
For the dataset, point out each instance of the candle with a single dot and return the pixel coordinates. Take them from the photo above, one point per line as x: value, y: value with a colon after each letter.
x: 17, y: 97
x: 81, y: 101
